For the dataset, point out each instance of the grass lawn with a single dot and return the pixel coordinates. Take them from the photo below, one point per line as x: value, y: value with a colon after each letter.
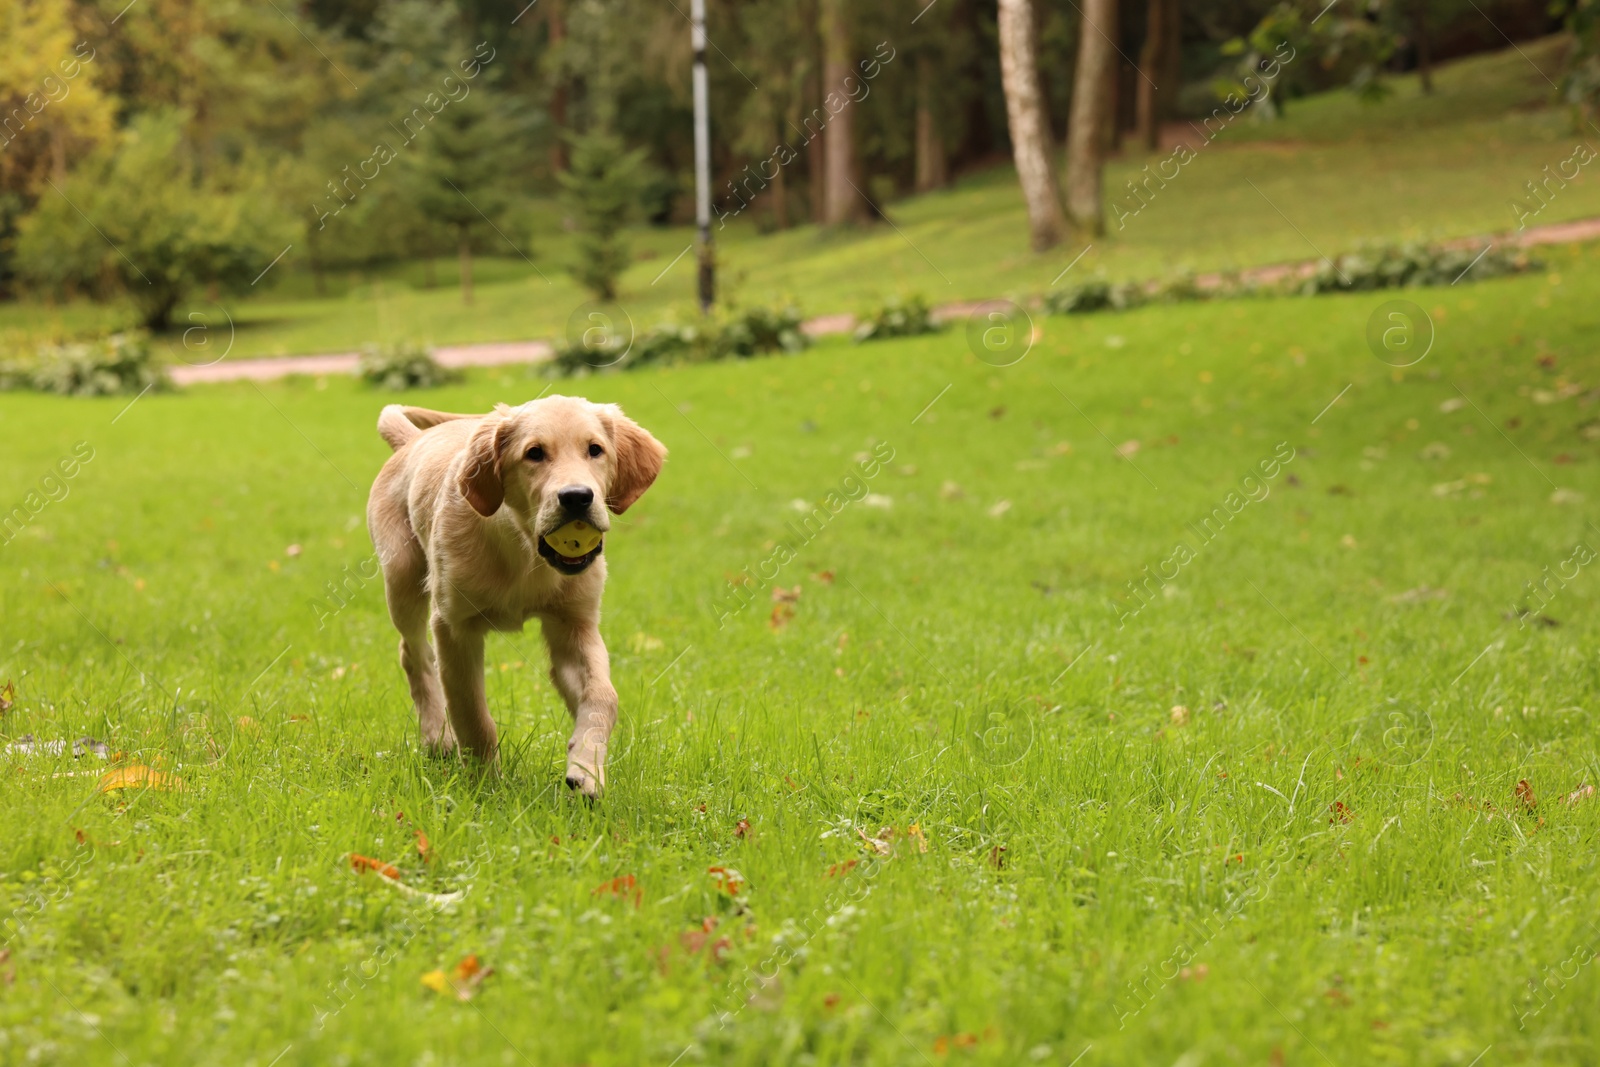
x: 1333, y: 174
x: 1323, y: 859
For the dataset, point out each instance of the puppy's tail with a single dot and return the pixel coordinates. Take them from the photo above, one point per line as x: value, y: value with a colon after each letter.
x: 400, y: 425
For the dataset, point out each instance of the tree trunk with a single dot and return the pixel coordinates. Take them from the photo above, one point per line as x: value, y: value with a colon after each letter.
x: 1419, y: 30
x: 1152, y: 69
x: 466, y: 268
x: 1090, y: 102
x: 1030, y: 132
x: 558, y: 95
x: 841, y: 203
x: 932, y: 172
x: 780, y: 200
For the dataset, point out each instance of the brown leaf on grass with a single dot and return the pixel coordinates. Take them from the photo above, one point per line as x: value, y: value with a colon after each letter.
x: 780, y: 595
x: 914, y: 831
x: 8, y: 696
x: 842, y: 868
x: 138, y: 776
x: 622, y: 888
x: 1180, y: 715
x: 462, y: 981
x: 1525, y: 796
x: 728, y: 880
x: 1583, y: 792
x: 781, y: 614
x: 696, y: 941
x: 360, y: 864
x: 997, y: 857
x: 944, y: 1043
x: 742, y: 829
x: 876, y: 844
x: 424, y: 847
x: 1340, y: 812
x: 825, y: 577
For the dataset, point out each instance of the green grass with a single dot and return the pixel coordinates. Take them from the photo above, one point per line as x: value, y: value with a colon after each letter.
x: 1340, y: 171
x: 964, y: 672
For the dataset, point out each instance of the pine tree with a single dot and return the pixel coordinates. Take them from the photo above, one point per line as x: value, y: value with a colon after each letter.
x: 602, y: 189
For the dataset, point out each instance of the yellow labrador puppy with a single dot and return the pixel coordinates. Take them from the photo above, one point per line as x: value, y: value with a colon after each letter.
x: 459, y: 515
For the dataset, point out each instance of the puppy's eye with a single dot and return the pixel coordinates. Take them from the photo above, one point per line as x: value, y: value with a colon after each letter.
x: 596, y: 450
x: 536, y: 454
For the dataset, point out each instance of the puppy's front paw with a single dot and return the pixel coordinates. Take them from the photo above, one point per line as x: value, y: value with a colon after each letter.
x: 441, y: 745
x: 584, y: 780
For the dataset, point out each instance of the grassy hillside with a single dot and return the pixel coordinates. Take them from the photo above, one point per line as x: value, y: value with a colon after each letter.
x: 1273, y: 815
x: 1341, y: 173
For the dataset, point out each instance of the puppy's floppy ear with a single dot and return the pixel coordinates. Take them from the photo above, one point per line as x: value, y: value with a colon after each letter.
x: 480, y: 478
x: 639, y: 458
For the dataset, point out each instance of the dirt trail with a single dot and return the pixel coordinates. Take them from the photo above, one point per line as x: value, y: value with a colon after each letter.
x: 522, y: 352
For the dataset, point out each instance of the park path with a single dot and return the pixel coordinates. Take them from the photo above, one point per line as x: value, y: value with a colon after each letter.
x: 522, y: 352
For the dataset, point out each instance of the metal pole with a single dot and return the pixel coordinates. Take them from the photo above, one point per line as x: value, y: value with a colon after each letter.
x: 702, y: 157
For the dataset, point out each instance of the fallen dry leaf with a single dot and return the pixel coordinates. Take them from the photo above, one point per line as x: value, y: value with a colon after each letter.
x: 914, y: 831
x: 997, y: 857
x: 1583, y: 792
x: 728, y: 880
x: 8, y: 696
x: 138, y: 776
x: 780, y: 595
x: 463, y: 980
x: 781, y: 614
x: 825, y: 577
x: 882, y: 848
x: 390, y: 875
x: 360, y: 863
x: 1340, y: 812
x: 1525, y: 795
x: 846, y: 867
x: 742, y: 829
x: 621, y: 887
x: 1180, y: 715
x: 424, y: 847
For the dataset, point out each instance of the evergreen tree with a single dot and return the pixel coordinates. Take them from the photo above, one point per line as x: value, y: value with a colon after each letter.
x: 602, y: 191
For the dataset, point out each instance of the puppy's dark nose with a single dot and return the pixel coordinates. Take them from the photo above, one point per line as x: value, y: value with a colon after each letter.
x: 576, y: 497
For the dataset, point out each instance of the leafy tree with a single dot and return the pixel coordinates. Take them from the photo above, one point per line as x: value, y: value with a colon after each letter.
x: 602, y: 190
x: 138, y: 212
x: 1580, y: 83
x: 462, y: 167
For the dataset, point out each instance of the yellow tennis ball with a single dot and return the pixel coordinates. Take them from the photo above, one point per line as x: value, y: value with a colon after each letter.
x: 576, y: 538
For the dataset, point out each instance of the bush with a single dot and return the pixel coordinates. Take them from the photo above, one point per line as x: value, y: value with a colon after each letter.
x: 738, y: 335
x: 105, y: 366
x: 898, y: 317
x: 758, y: 330
x: 156, y: 228
x: 1402, y: 266
x: 1094, y: 294
x: 402, y: 366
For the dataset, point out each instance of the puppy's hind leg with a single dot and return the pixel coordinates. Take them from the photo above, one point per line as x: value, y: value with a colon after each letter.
x: 405, y: 586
